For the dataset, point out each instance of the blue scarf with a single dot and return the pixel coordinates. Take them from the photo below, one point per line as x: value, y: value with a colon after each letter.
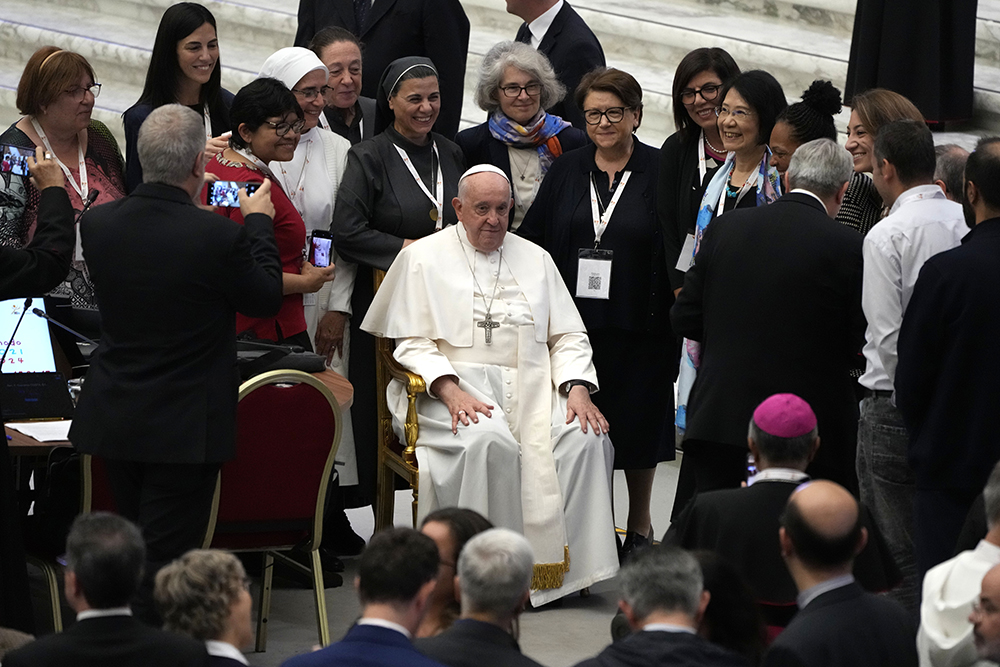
x: 540, y: 133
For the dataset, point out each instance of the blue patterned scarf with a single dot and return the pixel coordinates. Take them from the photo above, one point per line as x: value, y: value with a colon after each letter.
x: 540, y: 133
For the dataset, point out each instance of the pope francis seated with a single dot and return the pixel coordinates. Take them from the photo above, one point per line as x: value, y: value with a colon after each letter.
x: 507, y: 427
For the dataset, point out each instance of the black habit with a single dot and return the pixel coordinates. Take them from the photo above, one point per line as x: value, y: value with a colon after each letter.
x: 362, y: 125
x: 925, y: 51
x: 627, y: 331
x: 379, y: 204
x: 774, y: 297
x: 470, y: 643
x: 573, y: 49
x: 437, y: 29
x: 847, y: 627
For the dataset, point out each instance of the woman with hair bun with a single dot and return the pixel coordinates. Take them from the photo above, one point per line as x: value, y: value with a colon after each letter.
x: 804, y: 121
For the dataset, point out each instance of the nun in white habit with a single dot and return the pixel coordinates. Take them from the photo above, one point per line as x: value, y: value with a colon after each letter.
x: 311, y: 180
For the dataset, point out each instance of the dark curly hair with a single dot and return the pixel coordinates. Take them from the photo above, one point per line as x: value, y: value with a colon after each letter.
x: 812, y: 118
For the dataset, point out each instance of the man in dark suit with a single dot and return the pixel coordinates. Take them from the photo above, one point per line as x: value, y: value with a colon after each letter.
x: 948, y: 376
x: 838, y: 624
x: 774, y: 297
x: 30, y: 271
x: 396, y: 576
x: 555, y: 29
x: 104, y: 560
x: 663, y: 598
x: 494, y: 580
x: 741, y: 525
x: 160, y: 398
x: 392, y: 29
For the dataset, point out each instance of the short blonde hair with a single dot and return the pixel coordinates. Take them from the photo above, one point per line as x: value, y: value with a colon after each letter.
x: 195, y: 593
x: 49, y: 72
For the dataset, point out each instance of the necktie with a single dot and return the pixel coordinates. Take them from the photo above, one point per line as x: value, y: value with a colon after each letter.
x: 523, y: 34
x: 361, y: 8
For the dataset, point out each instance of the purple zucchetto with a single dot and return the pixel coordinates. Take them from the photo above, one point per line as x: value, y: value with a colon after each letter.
x: 785, y: 416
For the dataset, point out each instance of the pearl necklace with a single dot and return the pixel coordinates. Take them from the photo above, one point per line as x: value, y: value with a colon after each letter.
x: 713, y: 148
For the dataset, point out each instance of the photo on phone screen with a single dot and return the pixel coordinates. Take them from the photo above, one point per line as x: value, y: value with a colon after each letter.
x: 321, y: 247
x: 14, y: 159
x: 227, y: 193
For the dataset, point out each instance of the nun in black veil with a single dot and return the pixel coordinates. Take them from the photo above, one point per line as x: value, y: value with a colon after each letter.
x: 397, y: 188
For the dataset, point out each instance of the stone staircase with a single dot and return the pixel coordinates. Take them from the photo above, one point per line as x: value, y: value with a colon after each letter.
x: 797, y: 42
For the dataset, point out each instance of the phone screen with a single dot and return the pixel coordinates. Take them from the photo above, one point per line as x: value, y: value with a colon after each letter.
x: 227, y: 193
x: 320, y: 250
x: 14, y: 159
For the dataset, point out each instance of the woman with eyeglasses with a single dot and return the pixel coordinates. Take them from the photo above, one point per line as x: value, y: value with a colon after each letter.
x: 268, y: 122
x: 184, y: 68
x: 691, y: 155
x: 56, y: 94
x: 397, y: 188
x: 596, y: 214
x: 516, y: 84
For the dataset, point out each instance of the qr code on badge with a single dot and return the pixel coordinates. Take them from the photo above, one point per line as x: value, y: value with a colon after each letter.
x: 593, y: 282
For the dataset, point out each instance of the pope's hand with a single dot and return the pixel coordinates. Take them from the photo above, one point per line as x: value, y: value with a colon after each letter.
x: 461, y: 405
x: 578, y: 404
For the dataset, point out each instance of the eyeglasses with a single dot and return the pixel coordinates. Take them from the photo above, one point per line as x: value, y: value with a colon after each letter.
x: 79, y: 92
x: 980, y: 609
x: 614, y: 115
x: 737, y: 114
x: 282, y: 128
x: 708, y: 93
x: 513, y: 90
x: 309, y: 94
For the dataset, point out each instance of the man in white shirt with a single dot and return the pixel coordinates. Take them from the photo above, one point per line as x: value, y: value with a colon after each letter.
x: 950, y: 589
x: 664, y: 598
x: 396, y: 576
x: 104, y: 560
x: 555, y: 29
x: 921, y: 223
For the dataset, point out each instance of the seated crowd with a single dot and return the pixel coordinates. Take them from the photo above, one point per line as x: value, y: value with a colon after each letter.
x: 831, y: 334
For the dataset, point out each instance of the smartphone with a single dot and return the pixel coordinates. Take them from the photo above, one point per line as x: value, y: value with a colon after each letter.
x: 751, y: 467
x: 227, y: 193
x: 14, y: 159
x: 320, y: 248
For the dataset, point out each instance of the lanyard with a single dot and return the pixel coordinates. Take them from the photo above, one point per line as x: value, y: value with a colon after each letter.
x: 747, y: 184
x: 601, y: 220
x: 82, y: 188
x: 208, y: 123
x: 257, y: 162
x: 294, y: 192
x: 439, y: 189
x: 702, y: 161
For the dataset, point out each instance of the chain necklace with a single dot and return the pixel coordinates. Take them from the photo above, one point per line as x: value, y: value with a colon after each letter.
x: 487, y: 324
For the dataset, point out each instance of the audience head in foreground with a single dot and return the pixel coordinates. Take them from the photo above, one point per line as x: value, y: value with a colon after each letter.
x: 172, y: 148
x: 204, y: 595
x: 981, y: 190
x: 822, y: 167
x: 985, y: 617
x: 664, y: 599
x: 821, y: 533
x: 783, y: 433
x: 450, y: 528
x: 396, y: 576
x: 105, y: 554
x: 904, y: 158
x: 949, y: 174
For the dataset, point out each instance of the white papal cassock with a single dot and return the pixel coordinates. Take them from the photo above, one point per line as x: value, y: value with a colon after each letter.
x: 524, y: 467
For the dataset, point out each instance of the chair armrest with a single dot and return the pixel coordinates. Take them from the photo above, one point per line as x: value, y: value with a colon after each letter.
x: 414, y: 385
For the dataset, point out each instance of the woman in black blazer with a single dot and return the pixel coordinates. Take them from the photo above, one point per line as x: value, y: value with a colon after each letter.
x: 598, y: 203
x: 516, y: 84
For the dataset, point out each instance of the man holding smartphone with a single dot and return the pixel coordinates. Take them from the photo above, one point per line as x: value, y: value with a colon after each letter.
x: 159, y: 403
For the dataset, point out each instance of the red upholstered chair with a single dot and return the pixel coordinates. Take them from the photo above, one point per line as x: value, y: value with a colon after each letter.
x: 394, y: 458
x: 271, y: 497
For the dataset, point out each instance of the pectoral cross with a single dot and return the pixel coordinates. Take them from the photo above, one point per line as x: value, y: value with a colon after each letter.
x: 488, y: 325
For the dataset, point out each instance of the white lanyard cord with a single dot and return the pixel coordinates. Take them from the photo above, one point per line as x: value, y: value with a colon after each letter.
x: 747, y: 184
x: 208, y: 123
x: 439, y: 188
x: 702, y: 161
x: 293, y: 193
x: 601, y: 220
x: 257, y: 162
x: 82, y: 188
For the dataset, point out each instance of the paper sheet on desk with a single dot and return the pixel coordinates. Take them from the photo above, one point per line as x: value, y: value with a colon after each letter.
x: 52, y: 431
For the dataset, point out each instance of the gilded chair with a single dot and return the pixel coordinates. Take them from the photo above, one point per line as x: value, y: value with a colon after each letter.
x: 394, y: 458
x: 271, y: 497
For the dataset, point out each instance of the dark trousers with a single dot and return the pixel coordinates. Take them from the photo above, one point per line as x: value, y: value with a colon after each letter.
x: 171, y: 503
x: 708, y: 466
x: 939, y: 515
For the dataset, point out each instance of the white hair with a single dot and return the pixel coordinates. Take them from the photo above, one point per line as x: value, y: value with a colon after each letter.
x: 821, y: 166
x: 494, y: 571
x: 169, y: 140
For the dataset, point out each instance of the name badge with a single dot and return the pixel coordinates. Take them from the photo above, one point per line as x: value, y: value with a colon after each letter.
x: 593, y: 273
x: 309, y: 299
x: 686, y: 259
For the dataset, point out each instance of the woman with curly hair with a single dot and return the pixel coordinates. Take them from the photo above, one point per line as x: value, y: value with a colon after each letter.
x: 205, y: 594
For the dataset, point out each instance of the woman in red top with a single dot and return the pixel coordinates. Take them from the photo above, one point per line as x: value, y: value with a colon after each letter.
x: 267, y: 121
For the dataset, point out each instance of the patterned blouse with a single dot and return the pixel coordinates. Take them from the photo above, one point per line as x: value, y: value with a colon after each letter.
x: 862, y: 206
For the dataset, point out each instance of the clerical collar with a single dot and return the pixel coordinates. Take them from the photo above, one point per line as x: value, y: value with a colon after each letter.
x: 101, y: 613
x: 810, y: 594
x: 382, y: 623
x: 778, y: 475
x: 406, y: 144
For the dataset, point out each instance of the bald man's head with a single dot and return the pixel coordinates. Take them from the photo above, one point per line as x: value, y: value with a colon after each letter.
x: 822, y: 521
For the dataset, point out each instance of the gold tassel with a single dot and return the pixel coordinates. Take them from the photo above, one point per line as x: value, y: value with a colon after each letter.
x: 550, y: 575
